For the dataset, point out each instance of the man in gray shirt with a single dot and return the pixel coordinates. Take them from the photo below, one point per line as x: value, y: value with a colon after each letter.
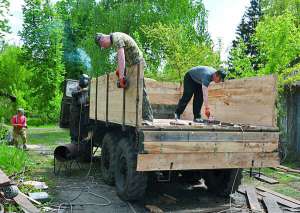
x: 196, y: 82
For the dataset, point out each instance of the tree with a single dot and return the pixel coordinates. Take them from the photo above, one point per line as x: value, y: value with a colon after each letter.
x: 15, y: 81
x: 4, y: 4
x: 42, y: 45
x: 176, y: 51
x: 244, y: 41
x: 278, y: 39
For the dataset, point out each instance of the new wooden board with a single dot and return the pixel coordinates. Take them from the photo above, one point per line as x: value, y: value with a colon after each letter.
x: 252, y: 199
x: 236, y: 101
x: 117, y: 105
x: 271, y: 205
x: 192, y: 161
x: 3, y: 178
x: 210, y: 146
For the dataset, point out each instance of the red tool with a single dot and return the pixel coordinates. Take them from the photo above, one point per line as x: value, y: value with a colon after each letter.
x: 121, y: 83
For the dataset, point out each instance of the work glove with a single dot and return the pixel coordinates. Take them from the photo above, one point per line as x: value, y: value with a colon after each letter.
x: 207, y: 112
x: 122, y: 83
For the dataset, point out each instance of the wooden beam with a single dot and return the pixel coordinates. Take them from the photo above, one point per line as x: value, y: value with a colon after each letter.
x: 210, y: 146
x: 287, y: 169
x: 271, y: 205
x: 214, y: 136
x: 192, y: 161
x: 253, y: 200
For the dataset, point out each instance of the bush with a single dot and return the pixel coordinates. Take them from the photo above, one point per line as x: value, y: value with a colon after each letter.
x: 13, y: 160
x: 3, y: 133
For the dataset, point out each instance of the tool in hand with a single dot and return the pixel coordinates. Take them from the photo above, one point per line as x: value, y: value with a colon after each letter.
x: 121, y: 83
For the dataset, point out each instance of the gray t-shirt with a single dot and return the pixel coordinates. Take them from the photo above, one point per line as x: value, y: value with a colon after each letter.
x: 202, y: 74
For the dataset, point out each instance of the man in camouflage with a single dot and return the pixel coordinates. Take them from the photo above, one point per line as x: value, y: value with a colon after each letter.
x: 19, y: 123
x: 128, y: 54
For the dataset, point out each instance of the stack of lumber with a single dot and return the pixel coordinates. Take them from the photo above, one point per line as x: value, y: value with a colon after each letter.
x: 261, y: 199
x: 20, y: 199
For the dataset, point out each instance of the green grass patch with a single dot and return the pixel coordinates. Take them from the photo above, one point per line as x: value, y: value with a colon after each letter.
x: 47, y: 137
x: 13, y: 160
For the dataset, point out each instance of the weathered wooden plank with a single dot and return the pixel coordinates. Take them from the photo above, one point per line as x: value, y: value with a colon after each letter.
x: 197, y: 136
x: 261, y: 188
x: 287, y: 169
x: 231, y: 101
x: 252, y: 199
x: 266, y: 179
x: 271, y: 205
x: 275, y: 198
x: 93, y: 99
x: 3, y: 178
x: 25, y: 204
x: 192, y: 161
x: 114, y: 110
x: 200, y: 147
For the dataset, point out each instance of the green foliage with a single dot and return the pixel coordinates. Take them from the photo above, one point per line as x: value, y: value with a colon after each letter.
x: 13, y: 160
x: 176, y: 51
x: 279, y: 41
x: 4, y: 4
x: 128, y: 17
x: 244, y: 55
x: 3, y: 133
x: 14, y: 82
x: 42, y: 37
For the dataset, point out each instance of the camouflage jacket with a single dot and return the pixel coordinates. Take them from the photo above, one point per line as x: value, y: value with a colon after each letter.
x: 133, y: 55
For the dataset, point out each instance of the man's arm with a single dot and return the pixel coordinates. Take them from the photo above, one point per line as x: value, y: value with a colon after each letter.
x: 205, y: 100
x: 121, y: 62
x: 205, y: 95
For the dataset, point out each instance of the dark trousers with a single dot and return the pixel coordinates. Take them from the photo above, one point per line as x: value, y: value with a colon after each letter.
x: 190, y: 88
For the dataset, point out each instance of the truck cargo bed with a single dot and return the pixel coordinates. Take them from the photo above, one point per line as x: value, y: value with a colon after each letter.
x: 192, y: 146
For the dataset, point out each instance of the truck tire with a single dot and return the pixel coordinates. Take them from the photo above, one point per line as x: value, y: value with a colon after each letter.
x: 108, y: 157
x: 130, y: 184
x: 223, y: 182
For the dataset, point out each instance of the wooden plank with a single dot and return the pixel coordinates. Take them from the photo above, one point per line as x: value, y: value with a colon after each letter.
x: 271, y: 205
x: 266, y: 179
x: 25, y: 204
x: 133, y: 104
x: 92, y: 110
x: 231, y: 101
x: 275, y: 198
x: 200, y: 147
x: 287, y: 169
x: 192, y: 161
x: 197, y: 136
x: 252, y: 199
x: 3, y: 178
x: 261, y: 188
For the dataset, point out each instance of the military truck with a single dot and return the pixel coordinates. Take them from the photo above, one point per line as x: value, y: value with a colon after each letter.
x: 243, y: 134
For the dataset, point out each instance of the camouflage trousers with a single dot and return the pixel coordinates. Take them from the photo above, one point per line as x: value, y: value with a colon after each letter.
x: 19, y: 132
x: 147, y: 109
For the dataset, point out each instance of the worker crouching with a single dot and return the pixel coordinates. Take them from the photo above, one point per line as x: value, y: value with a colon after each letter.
x: 19, y: 128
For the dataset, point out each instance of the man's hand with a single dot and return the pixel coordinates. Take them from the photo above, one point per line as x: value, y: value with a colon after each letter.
x: 122, y: 83
x: 207, y: 112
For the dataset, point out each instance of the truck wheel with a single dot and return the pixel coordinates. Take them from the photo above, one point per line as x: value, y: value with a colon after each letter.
x: 108, y: 157
x: 130, y: 184
x: 223, y: 182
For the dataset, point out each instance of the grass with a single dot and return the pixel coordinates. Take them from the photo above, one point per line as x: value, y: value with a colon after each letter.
x: 47, y: 137
x: 13, y: 160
